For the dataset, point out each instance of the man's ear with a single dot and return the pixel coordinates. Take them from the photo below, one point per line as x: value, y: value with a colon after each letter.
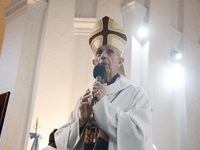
x: 93, y: 61
x: 121, y: 61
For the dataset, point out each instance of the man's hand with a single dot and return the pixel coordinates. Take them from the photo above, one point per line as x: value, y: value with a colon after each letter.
x: 98, y: 90
x: 85, y: 108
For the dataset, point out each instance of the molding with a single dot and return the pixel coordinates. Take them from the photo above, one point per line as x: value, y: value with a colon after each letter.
x: 36, y: 9
x: 83, y: 26
x: 16, y: 13
x: 133, y: 7
x: 14, y: 5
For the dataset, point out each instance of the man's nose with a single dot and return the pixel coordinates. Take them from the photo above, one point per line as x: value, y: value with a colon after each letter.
x: 103, y: 55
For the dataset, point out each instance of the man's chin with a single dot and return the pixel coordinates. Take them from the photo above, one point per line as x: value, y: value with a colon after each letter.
x: 107, y: 70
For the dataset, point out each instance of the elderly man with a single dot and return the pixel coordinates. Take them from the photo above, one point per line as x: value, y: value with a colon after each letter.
x: 114, y: 114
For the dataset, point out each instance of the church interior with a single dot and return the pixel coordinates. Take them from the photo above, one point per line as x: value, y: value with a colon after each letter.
x: 46, y: 64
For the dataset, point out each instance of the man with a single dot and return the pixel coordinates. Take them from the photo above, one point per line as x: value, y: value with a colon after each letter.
x: 121, y: 117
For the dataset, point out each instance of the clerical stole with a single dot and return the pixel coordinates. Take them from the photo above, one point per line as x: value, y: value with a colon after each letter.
x: 91, y: 139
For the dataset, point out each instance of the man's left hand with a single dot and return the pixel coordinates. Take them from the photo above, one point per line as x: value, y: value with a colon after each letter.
x: 98, y: 90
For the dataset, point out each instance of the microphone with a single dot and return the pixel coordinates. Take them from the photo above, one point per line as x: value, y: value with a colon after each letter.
x: 99, y: 72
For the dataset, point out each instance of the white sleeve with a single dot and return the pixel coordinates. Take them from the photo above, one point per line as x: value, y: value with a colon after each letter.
x: 128, y: 129
x: 68, y: 135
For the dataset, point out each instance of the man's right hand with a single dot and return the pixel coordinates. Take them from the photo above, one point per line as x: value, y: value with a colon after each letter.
x: 85, y: 108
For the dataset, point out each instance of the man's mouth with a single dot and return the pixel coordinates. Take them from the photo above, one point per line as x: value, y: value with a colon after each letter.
x: 103, y: 64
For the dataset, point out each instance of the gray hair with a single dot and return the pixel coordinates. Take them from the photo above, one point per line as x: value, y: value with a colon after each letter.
x: 118, y: 52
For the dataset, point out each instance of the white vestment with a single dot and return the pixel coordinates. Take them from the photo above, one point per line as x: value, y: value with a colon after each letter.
x: 124, y: 113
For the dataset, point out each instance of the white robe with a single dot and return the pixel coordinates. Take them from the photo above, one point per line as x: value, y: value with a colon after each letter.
x: 127, y: 119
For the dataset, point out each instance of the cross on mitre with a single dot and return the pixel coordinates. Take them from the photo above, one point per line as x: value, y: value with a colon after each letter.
x: 107, y: 32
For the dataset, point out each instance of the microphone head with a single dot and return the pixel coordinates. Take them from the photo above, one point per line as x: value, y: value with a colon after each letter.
x: 99, y: 71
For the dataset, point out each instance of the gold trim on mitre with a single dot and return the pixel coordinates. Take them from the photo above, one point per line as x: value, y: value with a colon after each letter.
x: 107, y: 32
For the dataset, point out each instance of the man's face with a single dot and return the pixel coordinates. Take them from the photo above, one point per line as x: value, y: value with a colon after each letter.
x: 106, y: 56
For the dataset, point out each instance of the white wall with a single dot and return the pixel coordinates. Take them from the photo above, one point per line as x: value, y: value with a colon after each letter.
x: 192, y: 70
x: 53, y: 100
x: 175, y: 114
x: 165, y: 131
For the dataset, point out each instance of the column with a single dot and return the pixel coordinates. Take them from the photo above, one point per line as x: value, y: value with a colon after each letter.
x: 134, y: 16
x: 23, y: 95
